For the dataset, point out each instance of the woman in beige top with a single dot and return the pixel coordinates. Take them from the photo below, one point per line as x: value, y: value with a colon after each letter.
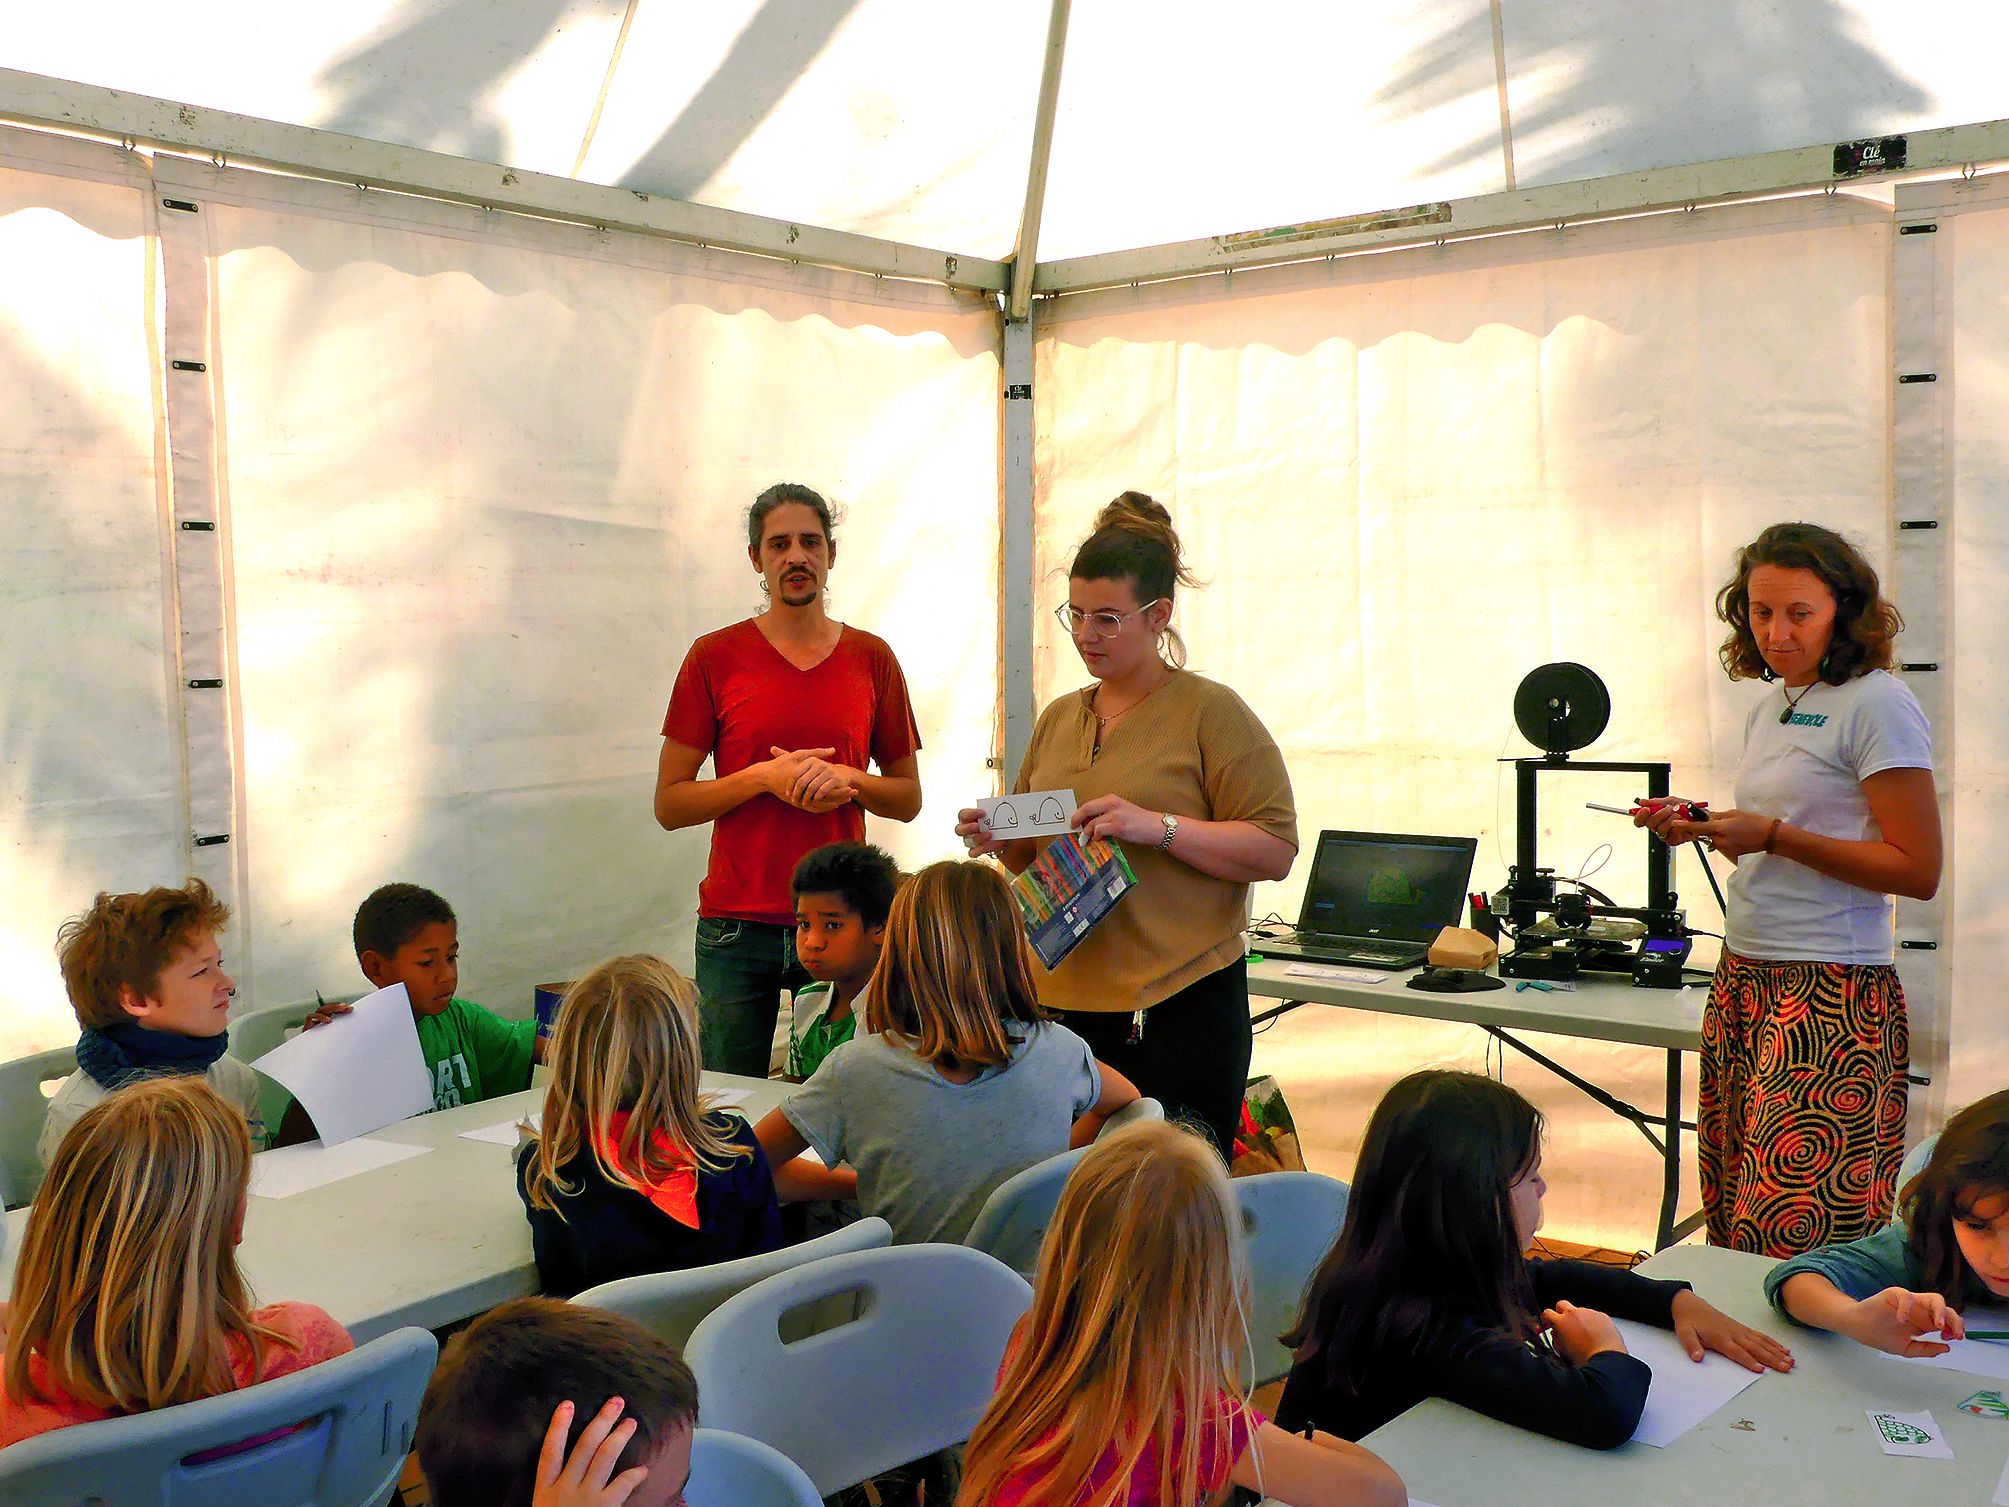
x: 1179, y: 772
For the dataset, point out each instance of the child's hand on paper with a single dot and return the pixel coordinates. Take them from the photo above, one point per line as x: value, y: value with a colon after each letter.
x: 1582, y: 1332
x: 580, y: 1480
x: 1893, y: 1320
x: 1116, y: 820
x: 324, y: 1012
x: 1701, y: 1327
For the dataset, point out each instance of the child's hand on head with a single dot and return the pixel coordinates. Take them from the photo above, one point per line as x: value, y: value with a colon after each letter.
x: 1701, y: 1327
x: 580, y: 1480
x: 1892, y: 1320
x: 1582, y: 1332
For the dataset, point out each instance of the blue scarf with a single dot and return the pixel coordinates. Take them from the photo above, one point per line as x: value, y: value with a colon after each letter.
x: 120, y: 1054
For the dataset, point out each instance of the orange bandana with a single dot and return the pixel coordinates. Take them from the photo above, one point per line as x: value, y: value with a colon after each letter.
x: 676, y: 1194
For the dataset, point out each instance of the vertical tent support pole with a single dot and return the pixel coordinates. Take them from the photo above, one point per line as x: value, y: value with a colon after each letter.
x: 1015, y: 558
x: 1920, y: 581
x: 201, y: 545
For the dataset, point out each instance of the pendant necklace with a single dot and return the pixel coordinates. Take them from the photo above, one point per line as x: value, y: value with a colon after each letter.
x: 1792, y: 704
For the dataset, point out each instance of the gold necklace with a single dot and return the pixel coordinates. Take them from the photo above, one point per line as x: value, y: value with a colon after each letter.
x: 1103, y: 723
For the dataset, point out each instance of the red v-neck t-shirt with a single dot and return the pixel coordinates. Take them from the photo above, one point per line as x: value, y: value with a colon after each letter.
x: 737, y: 699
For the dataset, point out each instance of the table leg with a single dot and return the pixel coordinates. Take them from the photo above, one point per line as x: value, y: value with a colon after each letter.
x: 1670, y: 1155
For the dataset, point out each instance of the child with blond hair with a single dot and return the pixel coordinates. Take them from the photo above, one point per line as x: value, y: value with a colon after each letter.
x: 1121, y: 1385
x: 960, y: 1079
x: 144, y: 973
x: 634, y: 1170
x: 127, y: 1295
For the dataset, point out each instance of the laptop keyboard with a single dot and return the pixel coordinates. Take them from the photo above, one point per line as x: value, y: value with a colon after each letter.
x: 1346, y: 948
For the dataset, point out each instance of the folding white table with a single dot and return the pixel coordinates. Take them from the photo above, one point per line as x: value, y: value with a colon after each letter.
x: 1797, y: 1439
x: 428, y: 1241
x: 1669, y: 1020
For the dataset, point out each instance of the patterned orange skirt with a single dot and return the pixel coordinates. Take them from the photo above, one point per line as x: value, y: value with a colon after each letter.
x: 1802, y: 1120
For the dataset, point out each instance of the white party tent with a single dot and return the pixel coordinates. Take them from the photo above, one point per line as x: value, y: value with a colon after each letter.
x: 381, y: 385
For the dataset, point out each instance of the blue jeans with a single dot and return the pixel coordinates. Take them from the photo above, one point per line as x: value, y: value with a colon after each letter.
x: 742, y: 968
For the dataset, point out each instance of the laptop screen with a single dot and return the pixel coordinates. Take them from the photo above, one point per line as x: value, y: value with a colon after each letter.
x: 1401, y: 888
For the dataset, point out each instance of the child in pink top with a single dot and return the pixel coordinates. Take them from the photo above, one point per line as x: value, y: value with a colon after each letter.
x: 127, y: 1296
x: 1137, y: 1323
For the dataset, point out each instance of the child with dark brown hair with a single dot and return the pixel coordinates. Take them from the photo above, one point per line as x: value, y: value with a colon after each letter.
x: 1895, y: 1289
x: 527, y: 1406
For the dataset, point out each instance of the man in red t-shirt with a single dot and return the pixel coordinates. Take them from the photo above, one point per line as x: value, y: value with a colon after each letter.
x: 790, y: 707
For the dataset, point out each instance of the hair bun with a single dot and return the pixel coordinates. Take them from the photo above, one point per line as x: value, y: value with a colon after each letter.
x: 1138, y: 513
x: 1144, y: 517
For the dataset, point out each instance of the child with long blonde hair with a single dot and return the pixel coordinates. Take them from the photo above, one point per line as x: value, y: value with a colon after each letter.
x: 1121, y: 1387
x: 960, y: 1079
x: 634, y: 1169
x: 127, y: 1295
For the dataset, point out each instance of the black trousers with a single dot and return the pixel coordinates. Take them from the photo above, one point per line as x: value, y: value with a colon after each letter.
x: 1192, y: 1053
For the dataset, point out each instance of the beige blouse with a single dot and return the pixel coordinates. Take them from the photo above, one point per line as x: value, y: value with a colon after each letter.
x: 1193, y: 748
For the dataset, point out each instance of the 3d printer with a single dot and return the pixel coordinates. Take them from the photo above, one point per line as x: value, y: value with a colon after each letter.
x: 1563, y: 934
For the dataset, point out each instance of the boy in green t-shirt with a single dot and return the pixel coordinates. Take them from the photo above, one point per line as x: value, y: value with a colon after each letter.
x: 843, y: 891
x: 406, y: 934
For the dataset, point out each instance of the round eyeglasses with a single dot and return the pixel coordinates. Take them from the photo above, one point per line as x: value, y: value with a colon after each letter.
x: 1105, y: 623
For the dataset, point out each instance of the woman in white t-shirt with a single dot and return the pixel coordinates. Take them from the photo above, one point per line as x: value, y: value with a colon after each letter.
x: 1804, y: 1043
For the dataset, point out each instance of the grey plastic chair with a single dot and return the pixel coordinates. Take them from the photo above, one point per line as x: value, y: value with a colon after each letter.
x: 910, y: 1375
x: 670, y: 1304
x: 23, y: 1109
x: 1134, y: 1113
x: 1289, y: 1221
x: 1012, y: 1223
x: 1913, y: 1164
x: 730, y: 1471
x: 357, y: 1413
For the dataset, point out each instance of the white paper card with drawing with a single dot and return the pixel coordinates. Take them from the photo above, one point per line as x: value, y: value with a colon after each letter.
x: 1037, y: 813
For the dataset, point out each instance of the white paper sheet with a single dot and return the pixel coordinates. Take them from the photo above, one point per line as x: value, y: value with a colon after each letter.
x: 1037, y: 813
x: 505, y: 1133
x: 1331, y: 973
x: 728, y: 1098
x: 295, y: 1169
x: 2001, y: 1497
x: 1975, y: 1357
x: 1913, y: 1435
x: 359, y: 1072
x: 1683, y: 1393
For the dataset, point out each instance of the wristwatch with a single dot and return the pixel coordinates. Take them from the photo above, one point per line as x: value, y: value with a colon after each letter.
x: 1171, y: 830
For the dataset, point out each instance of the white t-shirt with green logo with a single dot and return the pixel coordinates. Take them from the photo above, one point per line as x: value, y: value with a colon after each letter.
x: 1809, y: 770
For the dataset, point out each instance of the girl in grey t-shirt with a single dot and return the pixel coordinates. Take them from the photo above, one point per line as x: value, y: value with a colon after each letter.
x: 957, y: 1081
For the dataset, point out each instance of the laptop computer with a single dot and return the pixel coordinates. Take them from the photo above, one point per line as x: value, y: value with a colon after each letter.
x: 1378, y: 899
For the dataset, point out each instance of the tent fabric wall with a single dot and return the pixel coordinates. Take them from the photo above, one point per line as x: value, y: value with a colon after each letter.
x: 1969, y: 328
x: 1409, y: 479
x: 482, y: 481
x: 91, y: 789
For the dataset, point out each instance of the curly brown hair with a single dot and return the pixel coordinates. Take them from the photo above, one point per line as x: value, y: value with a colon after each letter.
x: 1866, y: 626
x: 129, y: 940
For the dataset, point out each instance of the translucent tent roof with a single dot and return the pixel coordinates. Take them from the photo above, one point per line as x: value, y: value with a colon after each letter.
x: 913, y: 121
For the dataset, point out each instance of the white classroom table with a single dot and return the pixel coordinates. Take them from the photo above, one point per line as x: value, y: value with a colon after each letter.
x: 1599, y: 1009
x: 428, y: 1241
x: 1798, y: 1439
